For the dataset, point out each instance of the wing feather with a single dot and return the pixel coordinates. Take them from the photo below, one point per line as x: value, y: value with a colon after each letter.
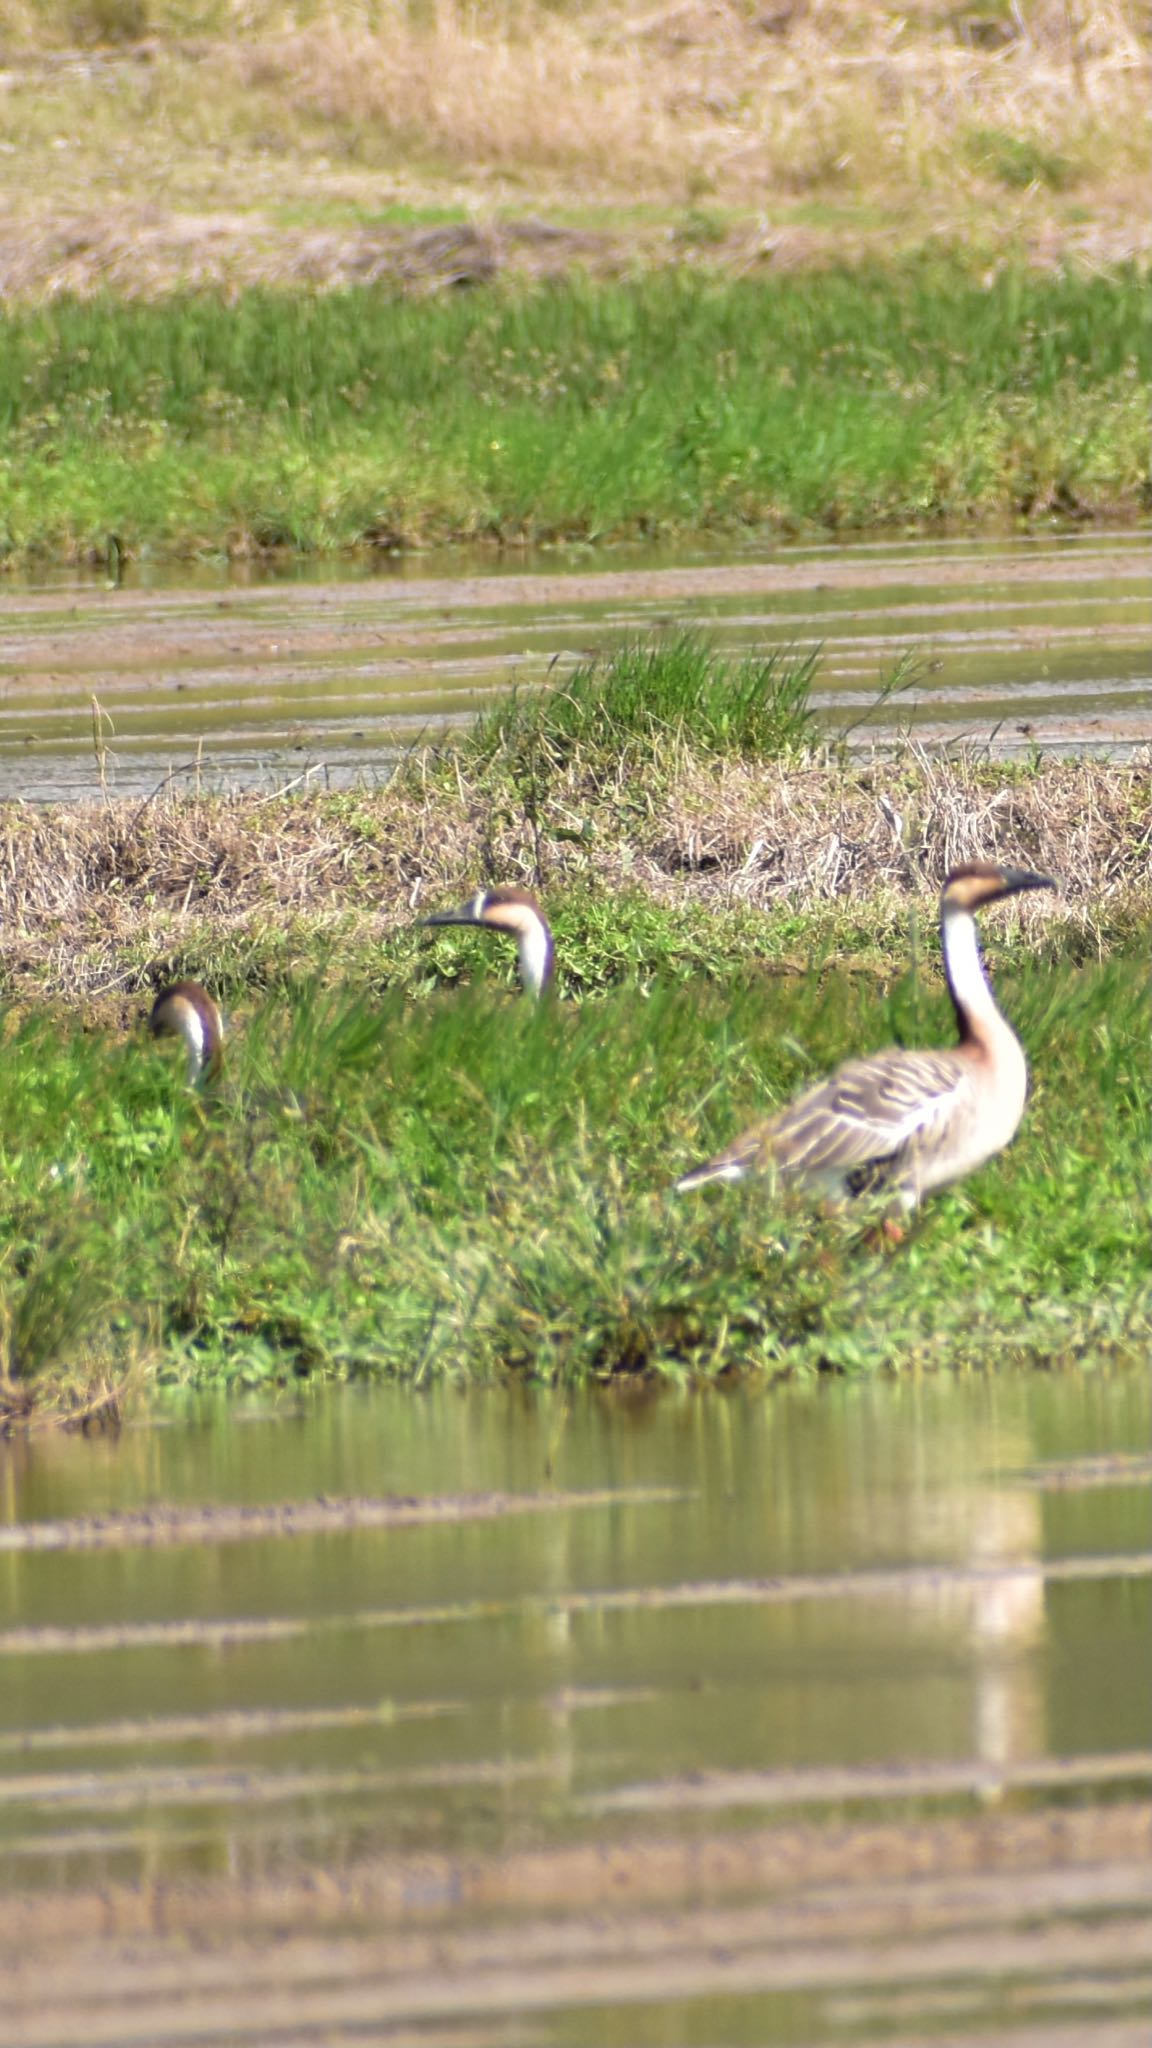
x: 855, y: 1127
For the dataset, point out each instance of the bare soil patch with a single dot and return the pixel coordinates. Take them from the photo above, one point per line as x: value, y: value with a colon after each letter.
x: 149, y: 251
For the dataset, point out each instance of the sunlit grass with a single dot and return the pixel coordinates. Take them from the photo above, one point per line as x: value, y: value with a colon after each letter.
x: 666, y: 405
x: 406, y: 1170
x: 659, y: 852
x: 471, y: 1185
x: 645, y: 700
x: 832, y: 96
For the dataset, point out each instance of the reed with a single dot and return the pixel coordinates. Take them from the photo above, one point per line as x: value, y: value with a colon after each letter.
x: 260, y: 422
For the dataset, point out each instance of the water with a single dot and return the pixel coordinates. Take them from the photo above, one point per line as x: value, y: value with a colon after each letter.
x: 823, y: 1716
x: 218, y: 680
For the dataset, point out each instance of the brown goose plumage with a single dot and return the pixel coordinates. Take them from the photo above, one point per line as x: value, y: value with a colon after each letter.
x: 906, y: 1122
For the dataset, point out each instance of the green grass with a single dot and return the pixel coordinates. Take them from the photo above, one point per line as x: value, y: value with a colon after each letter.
x: 638, y: 702
x: 1018, y: 160
x: 665, y: 405
x: 465, y: 1185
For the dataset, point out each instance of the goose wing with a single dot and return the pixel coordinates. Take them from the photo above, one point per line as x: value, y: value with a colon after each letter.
x: 869, y: 1112
x: 853, y: 1127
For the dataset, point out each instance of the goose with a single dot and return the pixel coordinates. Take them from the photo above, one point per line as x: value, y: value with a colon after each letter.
x: 186, y: 1010
x: 508, y: 909
x: 902, y: 1123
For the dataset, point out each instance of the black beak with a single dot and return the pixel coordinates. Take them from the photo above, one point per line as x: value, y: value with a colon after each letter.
x: 461, y: 915
x: 1016, y: 879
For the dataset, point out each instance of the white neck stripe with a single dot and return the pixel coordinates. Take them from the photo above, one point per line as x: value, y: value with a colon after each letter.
x: 534, y: 952
x: 971, y: 989
x: 192, y: 1032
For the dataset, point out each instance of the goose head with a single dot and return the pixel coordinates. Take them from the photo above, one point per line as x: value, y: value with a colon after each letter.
x: 186, y: 1010
x: 977, y: 883
x: 515, y: 911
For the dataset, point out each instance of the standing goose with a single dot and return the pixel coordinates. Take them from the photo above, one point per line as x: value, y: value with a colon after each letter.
x: 906, y: 1122
x: 508, y: 909
x: 187, y: 1011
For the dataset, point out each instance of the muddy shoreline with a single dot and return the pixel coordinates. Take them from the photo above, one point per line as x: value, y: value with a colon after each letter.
x: 166, y: 1524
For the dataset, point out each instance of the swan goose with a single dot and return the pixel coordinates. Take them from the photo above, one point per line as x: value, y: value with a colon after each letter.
x: 512, y: 910
x: 901, y: 1122
x: 186, y: 1010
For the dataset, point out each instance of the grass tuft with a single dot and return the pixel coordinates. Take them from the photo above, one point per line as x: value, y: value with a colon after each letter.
x: 646, y: 701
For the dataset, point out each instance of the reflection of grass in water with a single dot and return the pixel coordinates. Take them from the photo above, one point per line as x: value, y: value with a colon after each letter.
x: 468, y: 1184
x: 662, y: 405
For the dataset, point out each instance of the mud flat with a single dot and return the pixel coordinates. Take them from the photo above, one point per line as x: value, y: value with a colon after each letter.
x: 1024, y: 645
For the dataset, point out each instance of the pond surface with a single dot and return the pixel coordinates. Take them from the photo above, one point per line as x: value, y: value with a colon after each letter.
x: 817, y: 1717
x: 1041, y: 641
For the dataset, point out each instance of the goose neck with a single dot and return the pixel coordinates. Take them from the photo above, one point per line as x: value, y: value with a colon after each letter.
x: 536, y: 956
x: 968, y: 985
x: 200, y: 1030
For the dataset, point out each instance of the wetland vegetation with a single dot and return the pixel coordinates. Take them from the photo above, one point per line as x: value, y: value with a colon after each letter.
x: 283, y: 277
x: 807, y: 270
x: 310, y: 143
x: 471, y: 1185
x: 812, y: 269
x: 663, y: 405
x: 408, y: 1171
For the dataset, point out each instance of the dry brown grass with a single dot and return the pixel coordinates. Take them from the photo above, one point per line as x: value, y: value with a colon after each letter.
x: 715, y: 97
x: 94, y: 900
x: 145, y: 143
x: 830, y: 833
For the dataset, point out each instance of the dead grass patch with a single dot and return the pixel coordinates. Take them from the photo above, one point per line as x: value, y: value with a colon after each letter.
x: 147, y: 144
x: 95, y: 901
x: 724, y: 98
x: 825, y: 833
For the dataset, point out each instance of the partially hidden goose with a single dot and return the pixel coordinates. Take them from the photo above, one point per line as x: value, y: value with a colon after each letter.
x: 512, y: 910
x: 187, y: 1011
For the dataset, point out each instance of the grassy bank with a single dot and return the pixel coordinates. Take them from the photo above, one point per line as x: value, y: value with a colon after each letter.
x: 665, y: 405
x: 673, y: 808
x: 402, y: 1175
x: 468, y: 1186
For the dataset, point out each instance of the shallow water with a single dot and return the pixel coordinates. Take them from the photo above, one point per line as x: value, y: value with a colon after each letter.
x: 228, y: 682
x: 818, y: 1717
